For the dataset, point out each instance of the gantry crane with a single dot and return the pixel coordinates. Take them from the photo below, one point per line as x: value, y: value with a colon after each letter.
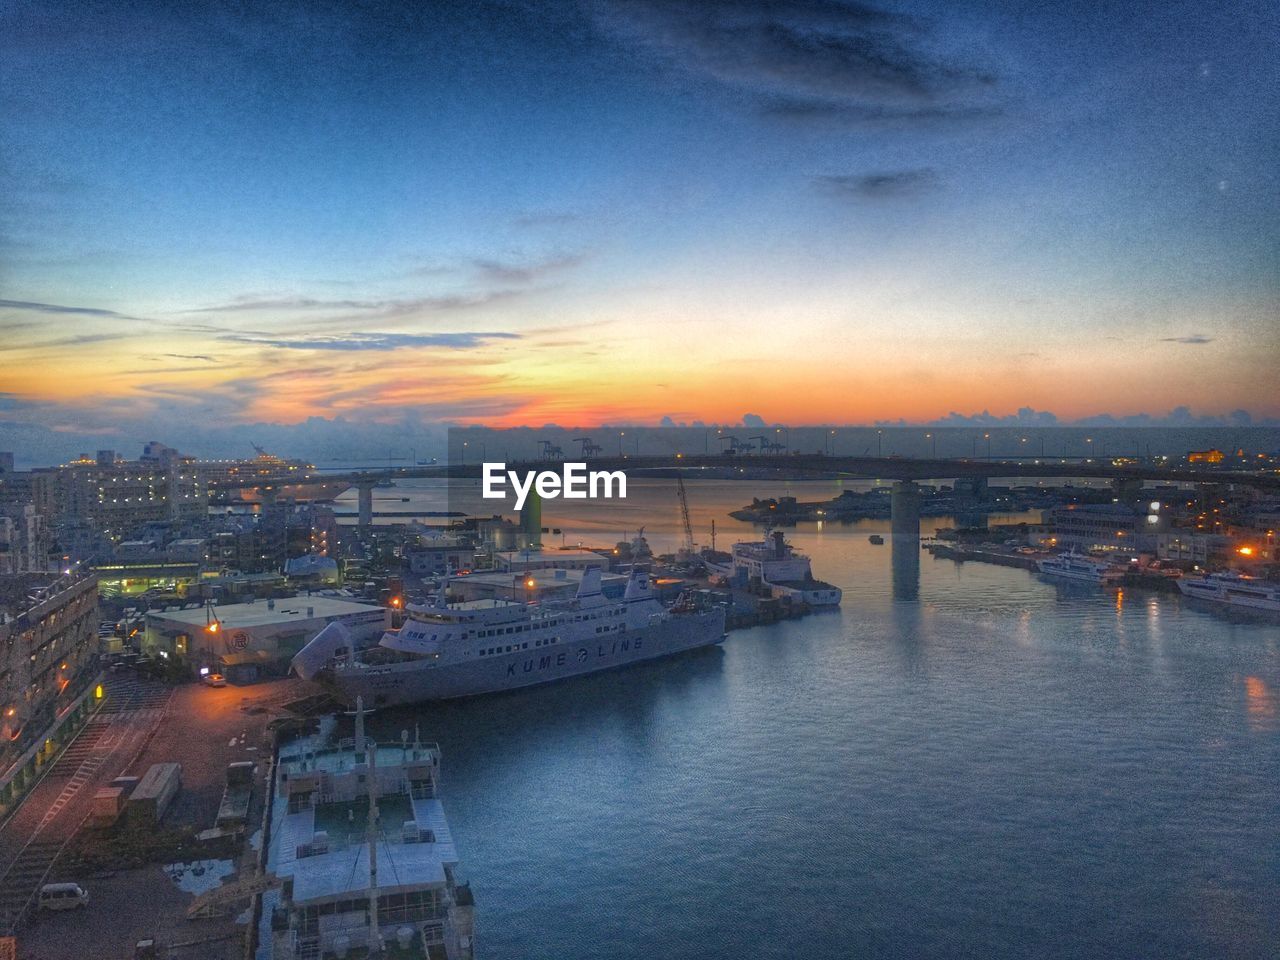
x: 769, y: 446
x: 589, y: 449
x: 687, y: 547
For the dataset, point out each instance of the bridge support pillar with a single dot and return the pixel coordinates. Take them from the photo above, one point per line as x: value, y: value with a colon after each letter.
x: 1128, y: 489
x: 366, y: 505
x: 904, y: 511
x: 904, y: 524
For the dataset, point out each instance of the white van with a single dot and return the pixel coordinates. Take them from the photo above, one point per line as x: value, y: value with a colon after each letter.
x: 63, y: 896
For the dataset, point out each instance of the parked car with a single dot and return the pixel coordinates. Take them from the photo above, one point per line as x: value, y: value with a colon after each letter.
x: 63, y: 896
x: 215, y: 680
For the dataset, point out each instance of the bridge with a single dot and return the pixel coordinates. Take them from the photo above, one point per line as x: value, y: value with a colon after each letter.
x: 1127, y: 478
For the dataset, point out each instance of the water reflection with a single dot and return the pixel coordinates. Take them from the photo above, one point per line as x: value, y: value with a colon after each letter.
x: 905, y: 560
x: 1260, y: 703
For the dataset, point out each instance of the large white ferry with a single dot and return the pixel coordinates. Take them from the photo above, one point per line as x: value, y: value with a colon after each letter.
x: 776, y: 565
x: 1234, y: 589
x: 483, y: 646
x: 1085, y: 569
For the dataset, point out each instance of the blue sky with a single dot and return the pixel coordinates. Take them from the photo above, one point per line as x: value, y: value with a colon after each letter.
x: 601, y: 211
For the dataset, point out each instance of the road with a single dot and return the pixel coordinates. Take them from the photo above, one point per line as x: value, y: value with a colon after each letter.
x: 52, y: 812
x: 143, y: 722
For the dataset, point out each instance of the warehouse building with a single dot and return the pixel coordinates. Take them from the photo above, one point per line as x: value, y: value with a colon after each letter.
x: 248, y: 641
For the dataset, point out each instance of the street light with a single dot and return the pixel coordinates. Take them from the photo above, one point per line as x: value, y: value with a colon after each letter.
x: 934, y: 454
x: 879, y: 437
x: 987, y: 437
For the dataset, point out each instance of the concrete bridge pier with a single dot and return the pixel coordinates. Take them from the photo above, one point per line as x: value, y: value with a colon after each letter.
x: 365, y: 491
x: 1127, y: 489
x: 904, y: 525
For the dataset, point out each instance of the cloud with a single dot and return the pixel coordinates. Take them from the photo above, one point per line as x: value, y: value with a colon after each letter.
x: 805, y: 55
x: 384, y: 307
x: 35, y: 307
x: 376, y: 341
x: 78, y: 340
x: 1194, y: 339
x: 499, y: 271
x: 192, y: 356
x: 1030, y: 417
x: 544, y: 218
x: 882, y: 185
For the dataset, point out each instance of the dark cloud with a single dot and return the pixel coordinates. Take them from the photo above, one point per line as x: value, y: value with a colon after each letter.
x: 499, y: 271
x: 387, y: 307
x: 814, y: 55
x: 34, y: 307
x: 880, y: 185
x: 1194, y: 339
x: 78, y: 340
x: 192, y: 356
x: 376, y: 341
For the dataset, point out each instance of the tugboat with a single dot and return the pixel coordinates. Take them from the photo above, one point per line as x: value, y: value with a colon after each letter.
x: 342, y: 813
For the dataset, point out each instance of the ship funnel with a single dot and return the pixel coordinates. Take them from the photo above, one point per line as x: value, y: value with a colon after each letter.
x: 779, y: 544
x: 590, y: 585
x: 315, y: 656
x: 639, y: 587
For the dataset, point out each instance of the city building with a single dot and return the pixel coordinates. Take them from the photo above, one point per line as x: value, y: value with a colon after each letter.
x: 567, y: 559
x: 96, y: 503
x: 48, y: 664
x: 541, y: 585
x: 245, y: 641
x: 1117, y: 527
x: 440, y: 555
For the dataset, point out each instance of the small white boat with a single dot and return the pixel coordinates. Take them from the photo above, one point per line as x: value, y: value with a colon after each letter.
x: 1081, y: 568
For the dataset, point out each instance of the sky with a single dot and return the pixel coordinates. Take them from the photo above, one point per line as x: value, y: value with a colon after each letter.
x: 224, y: 219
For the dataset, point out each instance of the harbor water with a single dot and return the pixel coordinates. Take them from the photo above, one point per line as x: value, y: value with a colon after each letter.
x: 998, y: 768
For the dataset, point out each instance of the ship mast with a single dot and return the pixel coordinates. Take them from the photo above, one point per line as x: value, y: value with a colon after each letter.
x: 371, y: 831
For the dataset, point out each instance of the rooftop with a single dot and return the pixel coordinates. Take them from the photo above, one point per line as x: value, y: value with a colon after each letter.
x: 261, y: 613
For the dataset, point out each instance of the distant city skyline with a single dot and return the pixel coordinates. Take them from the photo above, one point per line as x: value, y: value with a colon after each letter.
x: 295, y: 222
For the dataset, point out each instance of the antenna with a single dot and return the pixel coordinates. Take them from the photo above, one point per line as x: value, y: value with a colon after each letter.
x: 375, y: 930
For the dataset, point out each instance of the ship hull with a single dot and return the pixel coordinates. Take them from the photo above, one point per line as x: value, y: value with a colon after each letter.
x: 391, y: 685
x: 1229, y: 599
x: 302, y: 492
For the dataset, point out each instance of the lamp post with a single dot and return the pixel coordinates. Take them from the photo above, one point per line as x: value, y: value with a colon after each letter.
x: 879, y: 437
x: 934, y: 445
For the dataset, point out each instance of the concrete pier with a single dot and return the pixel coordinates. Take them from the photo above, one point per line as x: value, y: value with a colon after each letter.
x: 904, y: 524
x: 366, y: 505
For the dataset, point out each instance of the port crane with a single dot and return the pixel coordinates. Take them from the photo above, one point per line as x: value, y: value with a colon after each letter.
x: 550, y: 451
x: 589, y: 449
x: 687, y: 547
x: 769, y: 446
x: 736, y: 445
